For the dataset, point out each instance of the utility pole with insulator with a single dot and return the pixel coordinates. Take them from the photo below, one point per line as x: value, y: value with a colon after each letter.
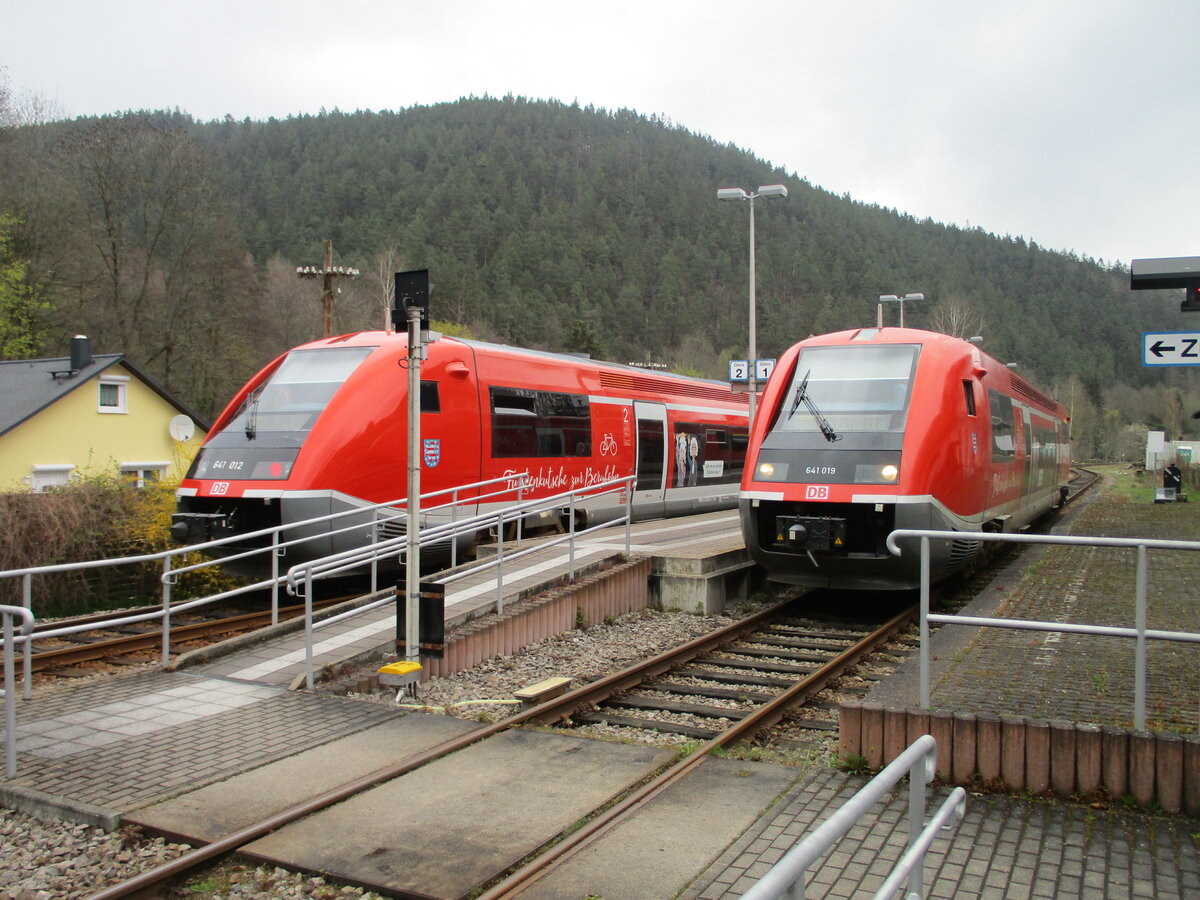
x: 327, y: 273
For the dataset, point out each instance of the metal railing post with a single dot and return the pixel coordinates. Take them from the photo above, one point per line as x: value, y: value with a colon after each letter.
x: 10, y: 666
x: 27, y: 656
x: 453, y: 530
x: 520, y: 518
x: 924, y: 628
x: 308, y: 631
x: 372, y: 538
x: 10, y: 701
x: 571, y: 542
x: 1139, y: 674
x: 500, y: 562
x: 629, y: 488
x: 166, y: 616
x: 926, y: 767
x: 275, y: 578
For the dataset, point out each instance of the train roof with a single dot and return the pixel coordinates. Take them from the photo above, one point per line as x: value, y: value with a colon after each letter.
x: 375, y: 338
x: 998, y: 370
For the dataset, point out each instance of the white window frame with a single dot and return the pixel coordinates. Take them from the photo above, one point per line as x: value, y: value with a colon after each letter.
x: 43, y: 477
x: 121, y: 382
x: 139, y: 469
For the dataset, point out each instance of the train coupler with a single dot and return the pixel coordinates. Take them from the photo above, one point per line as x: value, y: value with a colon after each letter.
x: 810, y: 533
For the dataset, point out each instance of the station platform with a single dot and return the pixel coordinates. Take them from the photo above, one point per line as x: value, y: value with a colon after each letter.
x: 155, y: 745
x: 683, y: 550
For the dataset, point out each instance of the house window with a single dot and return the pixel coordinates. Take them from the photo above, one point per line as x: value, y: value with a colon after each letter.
x: 141, y: 474
x: 113, y: 394
x: 46, y: 477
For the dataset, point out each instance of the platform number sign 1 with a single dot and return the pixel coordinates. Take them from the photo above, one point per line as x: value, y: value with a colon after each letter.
x: 763, y: 369
x: 739, y: 370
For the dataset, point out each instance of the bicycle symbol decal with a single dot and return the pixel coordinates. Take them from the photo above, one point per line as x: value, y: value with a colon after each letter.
x: 608, y: 446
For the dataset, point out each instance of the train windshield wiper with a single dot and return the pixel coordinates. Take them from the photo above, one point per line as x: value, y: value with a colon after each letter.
x: 802, y: 397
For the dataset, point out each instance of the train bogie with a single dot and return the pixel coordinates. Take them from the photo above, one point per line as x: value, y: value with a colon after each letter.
x: 864, y: 432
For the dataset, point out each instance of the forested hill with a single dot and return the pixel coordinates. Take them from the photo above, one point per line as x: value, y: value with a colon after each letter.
x: 533, y: 215
x: 542, y: 224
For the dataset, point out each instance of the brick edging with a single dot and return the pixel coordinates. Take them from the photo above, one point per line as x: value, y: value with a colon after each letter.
x: 612, y: 592
x: 1019, y: 754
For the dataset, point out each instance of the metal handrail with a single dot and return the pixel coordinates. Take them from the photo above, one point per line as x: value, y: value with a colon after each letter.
x: 1140, y: 632
x: 513, y: 483
x: 301, y: 577
x: 919, y: 762
x: 7, y: 613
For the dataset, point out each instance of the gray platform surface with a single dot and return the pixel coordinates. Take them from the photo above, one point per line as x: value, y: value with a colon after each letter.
x: 659, y: 852
x: 211, y: 812
x: 444, y: 828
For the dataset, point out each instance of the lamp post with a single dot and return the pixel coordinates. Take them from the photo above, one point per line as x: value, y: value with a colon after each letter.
x: 767, y: 190
x: 893, y: 298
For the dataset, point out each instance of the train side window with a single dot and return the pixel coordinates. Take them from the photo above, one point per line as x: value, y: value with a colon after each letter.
x: 539, y: 423
x: 430, y: 398
x: 1003, y: 447
x: 969, y: 393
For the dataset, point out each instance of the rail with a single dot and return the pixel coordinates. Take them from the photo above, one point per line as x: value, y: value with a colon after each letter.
x: 919, y: 762
x: 1140, y: 632
x: 300, y: 578
x: 8, y: 613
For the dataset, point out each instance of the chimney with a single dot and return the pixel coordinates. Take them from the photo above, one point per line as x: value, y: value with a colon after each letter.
x: 81, y: 352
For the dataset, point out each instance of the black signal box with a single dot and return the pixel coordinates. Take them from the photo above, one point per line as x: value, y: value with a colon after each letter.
x: 412, y: 289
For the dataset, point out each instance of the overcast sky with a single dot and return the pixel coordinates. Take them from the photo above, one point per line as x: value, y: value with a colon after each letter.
x: 1074, y: 123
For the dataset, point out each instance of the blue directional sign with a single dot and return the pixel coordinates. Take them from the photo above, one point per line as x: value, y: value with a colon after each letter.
x: 1171, y: 348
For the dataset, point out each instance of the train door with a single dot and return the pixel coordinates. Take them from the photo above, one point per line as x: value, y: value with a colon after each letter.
x: 451, y: 440
x: 1028, y: 485
x: 649, y: 497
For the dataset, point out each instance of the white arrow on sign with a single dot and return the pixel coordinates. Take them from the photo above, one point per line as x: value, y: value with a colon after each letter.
x: 1171, y: 348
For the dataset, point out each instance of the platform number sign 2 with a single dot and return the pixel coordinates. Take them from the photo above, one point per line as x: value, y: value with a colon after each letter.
x: 739, y: 370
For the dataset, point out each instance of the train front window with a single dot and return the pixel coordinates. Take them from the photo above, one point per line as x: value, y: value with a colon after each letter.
x: 297, y: 392
x: 853, y: 389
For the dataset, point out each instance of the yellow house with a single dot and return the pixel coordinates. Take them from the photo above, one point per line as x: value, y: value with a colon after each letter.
x: 61, y: 419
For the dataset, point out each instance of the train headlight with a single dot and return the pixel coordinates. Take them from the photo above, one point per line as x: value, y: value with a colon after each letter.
x: 889, y: 472
x: 766, y: 470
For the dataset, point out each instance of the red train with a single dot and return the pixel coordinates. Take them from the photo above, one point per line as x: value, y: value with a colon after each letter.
x: 324, y: 428
x: 862, y: 432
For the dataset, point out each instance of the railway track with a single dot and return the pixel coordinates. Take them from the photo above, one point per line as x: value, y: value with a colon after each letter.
x: 761, y: 705
x: 62, y: 656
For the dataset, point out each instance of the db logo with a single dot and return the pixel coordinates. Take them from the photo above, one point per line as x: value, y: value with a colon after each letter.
x: 218, y: 488
x: 816, y: 492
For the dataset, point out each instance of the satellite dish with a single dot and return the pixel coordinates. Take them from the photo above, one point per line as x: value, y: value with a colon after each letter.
x: 182, y: 428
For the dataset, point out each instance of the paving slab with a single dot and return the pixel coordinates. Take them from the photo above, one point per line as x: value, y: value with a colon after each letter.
x: 204, y: 815
x: 441, y: 830
x: 661, y: 849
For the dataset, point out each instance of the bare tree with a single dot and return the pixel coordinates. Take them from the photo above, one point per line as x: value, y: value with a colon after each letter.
x: 956, y: 317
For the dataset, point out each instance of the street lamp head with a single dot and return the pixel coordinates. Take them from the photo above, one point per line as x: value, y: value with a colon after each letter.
x: 914, y: 296
x: 888, y: 298
x: 772, y: 190
x: 732, y: 194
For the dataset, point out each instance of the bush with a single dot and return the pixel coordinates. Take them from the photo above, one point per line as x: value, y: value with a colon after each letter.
x: 101, y: 517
